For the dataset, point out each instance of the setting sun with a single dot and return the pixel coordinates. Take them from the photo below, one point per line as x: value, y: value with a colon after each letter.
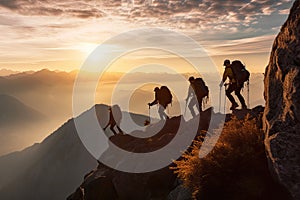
x: 86, y: 48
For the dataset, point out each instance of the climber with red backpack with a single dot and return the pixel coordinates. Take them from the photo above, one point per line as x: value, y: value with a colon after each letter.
x: 238, y: 75
x: 196, y: 93
x: 163, y: 98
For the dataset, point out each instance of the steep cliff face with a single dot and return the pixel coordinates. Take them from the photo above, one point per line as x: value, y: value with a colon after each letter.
x: 282, y: 112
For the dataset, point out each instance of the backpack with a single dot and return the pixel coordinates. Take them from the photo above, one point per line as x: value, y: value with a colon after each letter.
x: 117, y: 114
x: 165, y: 97
x: 239, y: 71
x: 201, y: 90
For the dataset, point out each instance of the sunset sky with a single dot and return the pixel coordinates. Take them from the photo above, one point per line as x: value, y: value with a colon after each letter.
x: 59, y: 35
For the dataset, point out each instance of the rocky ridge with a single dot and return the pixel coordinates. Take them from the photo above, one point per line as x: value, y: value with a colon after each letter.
x: 108, y: 183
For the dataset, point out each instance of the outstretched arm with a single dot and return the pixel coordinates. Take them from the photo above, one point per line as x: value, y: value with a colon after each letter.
x: 153, y: 102
x: 225, y: 74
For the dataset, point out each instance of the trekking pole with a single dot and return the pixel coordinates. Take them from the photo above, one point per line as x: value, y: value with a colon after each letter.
x: 225, y: 98
x: 225, y: 102
x: 220, y: 99
x: 147, y: 121
x: 185, y: 107
x: 149, y: 114
x: 248, y: 88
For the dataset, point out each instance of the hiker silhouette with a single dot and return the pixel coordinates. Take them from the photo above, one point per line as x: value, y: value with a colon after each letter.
x: 115, y: 117
x: 235, y: 84
x: 163, y: 97
x: 196, y: 93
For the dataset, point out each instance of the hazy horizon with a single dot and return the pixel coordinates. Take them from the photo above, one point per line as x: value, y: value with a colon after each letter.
x: 51, y: 92
x: 255, y: 62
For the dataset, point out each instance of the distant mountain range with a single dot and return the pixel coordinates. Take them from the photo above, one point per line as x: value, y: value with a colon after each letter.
x: 47, y: 91
x: 6, y: 72
x: 50, y: 93
x: 18, y: 122
x: 14, y: 112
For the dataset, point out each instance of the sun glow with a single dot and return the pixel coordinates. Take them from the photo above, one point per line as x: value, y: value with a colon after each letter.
x: 86, y: 48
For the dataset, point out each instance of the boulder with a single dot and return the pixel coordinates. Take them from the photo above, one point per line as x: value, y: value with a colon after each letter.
x: 282, y: 111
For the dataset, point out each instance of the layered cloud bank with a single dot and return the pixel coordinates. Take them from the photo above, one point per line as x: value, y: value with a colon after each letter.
x: 54, y: 33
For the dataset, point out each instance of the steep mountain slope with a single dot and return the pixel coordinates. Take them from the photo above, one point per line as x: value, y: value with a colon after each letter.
x: 109, y: 183
x: 52, y: 169
x: 48, y: 170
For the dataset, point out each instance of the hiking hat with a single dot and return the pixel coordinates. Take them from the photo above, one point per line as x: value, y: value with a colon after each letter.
x: 191, y: 78
x: 226, y: 62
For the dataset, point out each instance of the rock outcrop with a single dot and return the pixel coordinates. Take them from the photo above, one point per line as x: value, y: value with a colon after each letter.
x: 108, y: 183
x: 282, y: 112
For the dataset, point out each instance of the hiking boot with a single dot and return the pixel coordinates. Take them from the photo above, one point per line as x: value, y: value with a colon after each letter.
x: 234, y: 106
